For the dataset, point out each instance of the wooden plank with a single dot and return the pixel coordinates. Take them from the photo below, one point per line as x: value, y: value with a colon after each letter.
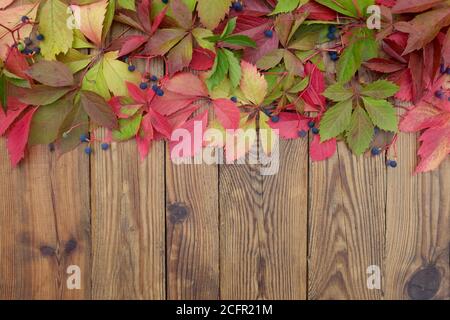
x: 128, y: 233
x: 192, y: 230
x: 44, y: 214
x: 346, y: 225
x: 417, y: 228
x: 263, y: 228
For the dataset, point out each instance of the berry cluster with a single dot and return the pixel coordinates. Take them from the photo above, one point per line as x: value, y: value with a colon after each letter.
x: 88, y: 150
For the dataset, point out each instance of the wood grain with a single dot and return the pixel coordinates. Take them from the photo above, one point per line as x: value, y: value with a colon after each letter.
x: 346, y: 225
x: 263, y: 228
x: 44, y: 214
x: 192, y: 214
x: 128, y: 233
x: 417, y: 228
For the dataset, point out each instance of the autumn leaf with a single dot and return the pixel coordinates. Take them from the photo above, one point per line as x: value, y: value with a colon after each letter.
x: 92, y: 17
x: 17, y: 137
x: 98, y: 110
x: 53, y: 19
x: 212, y: 12
x: 51, y: 73
x: 253, y: 84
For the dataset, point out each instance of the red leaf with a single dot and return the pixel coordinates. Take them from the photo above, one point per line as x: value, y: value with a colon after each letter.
x: 14, y: 109
x: 171, y: 102
x: 313, y: 93
x: 143, y: 11
x: 18, y: 137
x: 446, y: 49
x: 202, y: 59
x: 227, y: 113
x: 413, y: 6
x: 317, y: 12
x: 145, y: 136
x: 384, y: 65
x: 131, y: 43
x: 160, y: 123
x: 321, y: 151
x: 435, y: 146
x: 186, y: 84
x: 187, y: 140
x: 158, y: 19
x: 17, y: 63
x: 289, y: 125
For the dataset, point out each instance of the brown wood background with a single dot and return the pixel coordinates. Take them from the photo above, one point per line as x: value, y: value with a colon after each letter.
x: 155, y: 230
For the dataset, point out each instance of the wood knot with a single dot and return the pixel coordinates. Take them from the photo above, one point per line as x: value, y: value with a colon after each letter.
x: 47, y: 251
x: 424, y: 284
x: 178, y: 212
x: 70, y: 246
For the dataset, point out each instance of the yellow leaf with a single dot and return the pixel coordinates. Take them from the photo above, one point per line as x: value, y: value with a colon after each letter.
x: 53, y: 24
x: 116, y: 74
x: 253, y: 84
x: 91, y: 20
x: 211, y: 12
x: 95, y: 81
x: 267, y: 136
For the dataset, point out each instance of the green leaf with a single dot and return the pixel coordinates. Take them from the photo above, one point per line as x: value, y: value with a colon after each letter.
x: 128, y: 128
x: 284, y: 6
x: 219, y: 70
x: 229, y: 28
x: 380, y: 89
x: 362, y: 47
x: 346, y: 7
x: 3, y: 91
x: 47, y: 121
x: 338, y: 92
x: 212, y: 12
x: 240, y: 40
x: 271, y: 59
x: 234, y: 68
x: 300, y: 86
x: 360, y: 131
x: 53, y: 18
x: 109, y: 17
x: 382, y: 113
x: 127, y: 4
x: 336, y: 120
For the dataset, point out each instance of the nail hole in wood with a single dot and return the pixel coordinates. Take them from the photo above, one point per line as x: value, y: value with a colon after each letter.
x: 178, y: 212
x: 424, y: 284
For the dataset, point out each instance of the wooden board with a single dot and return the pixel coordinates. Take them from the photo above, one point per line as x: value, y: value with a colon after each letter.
x: 263, y: 228
x: 346, y: 225
x: 44, y: 214
x: 417, y: 229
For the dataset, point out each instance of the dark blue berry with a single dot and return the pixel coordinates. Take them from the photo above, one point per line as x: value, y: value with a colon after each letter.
x: 315, y: 130
x: 332, y: 29
x: 88, y: 150
x: 159, y: 92
x: 143, y: 85
x: 275, y: 119
x: 392, y: 163
x: 302, y: 133
x: 105, y: 146
x: 331, y: 36
x: 238, y: 6
x: 155, y: 87
x: 234, y: 99
x: 443, y: 69
x: 267, y: 111
x: 24, y: 19
x: 376, y: 130
x: 268, y: 33
x: 51, y: 147
x: 27, y: 41
x: 165, y: 1
x: 311, y: 124
x: 334, y: 55
x: 27, y: 51
x: 84, y: 138
x: 154, y: 78
x: 439, y: 94
x: 447, y: 71
x: 375, y: 151
x: 40, y: 37
x: 131, y: 68
x: 37, y: 50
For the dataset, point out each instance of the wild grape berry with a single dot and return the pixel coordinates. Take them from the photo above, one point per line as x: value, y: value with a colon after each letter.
x: 51, y: 147
x: 268, y: 33
x: 27, y: 41
x: 165, y: 1
x: 332, y: 29
x: 447, y: 71
x: 105, y: 146
x: 24, y: 19
x: 302, y: 133
x: 443, y: 69
x: 27, y: 51
x: 234, y: 99
x: 439, y: 94
x: 88, y: 150
x: 331, y: 36
x: 334, y: 55
x: 154, y: 78
x: 376, y: 130
x: 159, y: 92
x: 311, y: 124
x: 40, y: 37
x: 84, y: 138
x: 37, y: 50
x: 392, y: 163
x: 315, y: 130
x: 275, y: 119
x: 375, y: 151
x: 155, y: 88
x: 131, y: 68
x: 238, y: 6
x: 143, y: 85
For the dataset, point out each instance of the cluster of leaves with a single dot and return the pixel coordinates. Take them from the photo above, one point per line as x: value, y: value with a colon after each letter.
x: 229, y: 64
